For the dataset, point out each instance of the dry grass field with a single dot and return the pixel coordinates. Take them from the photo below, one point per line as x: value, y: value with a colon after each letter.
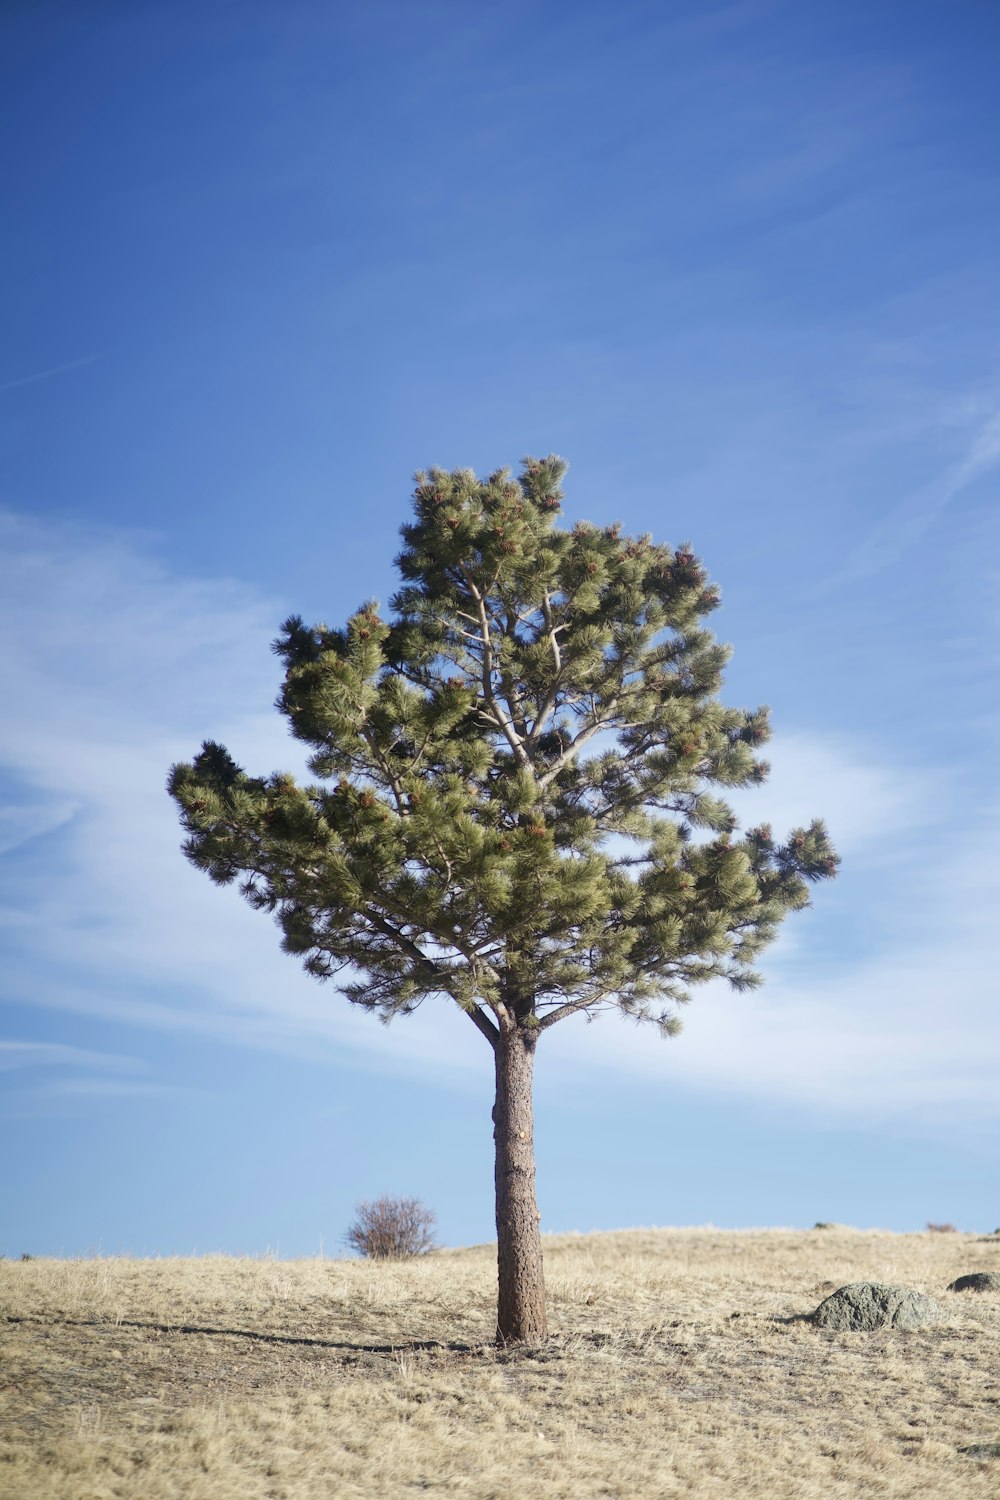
x: 678, y: 1366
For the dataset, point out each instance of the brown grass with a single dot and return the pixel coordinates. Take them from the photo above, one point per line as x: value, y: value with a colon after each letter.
x: 673, y: 1371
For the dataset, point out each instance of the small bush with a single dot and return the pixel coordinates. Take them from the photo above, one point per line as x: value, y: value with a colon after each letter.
x: 392, y: 1229
x: 942, y: 1229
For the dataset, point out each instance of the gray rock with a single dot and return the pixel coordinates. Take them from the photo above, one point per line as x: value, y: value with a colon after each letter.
x: 977, y: 1281
x: 865, y: 1305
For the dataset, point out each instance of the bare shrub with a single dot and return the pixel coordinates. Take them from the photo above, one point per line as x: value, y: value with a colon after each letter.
x: 392, y: 1229
x: 941, y: 1229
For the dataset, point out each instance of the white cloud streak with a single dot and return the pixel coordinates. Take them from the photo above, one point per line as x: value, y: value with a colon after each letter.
x: 907, y: 1035
x: 55, y: 1054
x: 73, y: 364
x: 908, y: 521
x: 113, y: 670
x: 19, y: 824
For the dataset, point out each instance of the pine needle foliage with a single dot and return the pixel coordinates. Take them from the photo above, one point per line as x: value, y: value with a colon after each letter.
x: 518, y: 775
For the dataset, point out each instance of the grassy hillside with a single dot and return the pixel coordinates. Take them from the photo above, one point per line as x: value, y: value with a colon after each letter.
x: 676, y: 1368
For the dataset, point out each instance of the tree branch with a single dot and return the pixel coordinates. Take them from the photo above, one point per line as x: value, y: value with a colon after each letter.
x: 406, y: 945
x: 394, y: 783
x: 571, y: 749
x: 611, y: 709
x: 570, y: 1008
x: 496, y: 711
x: 549, y: 701
x: 480, y: 1019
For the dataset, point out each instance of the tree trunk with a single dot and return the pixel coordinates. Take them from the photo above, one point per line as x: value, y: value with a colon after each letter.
x: 521, y: 1303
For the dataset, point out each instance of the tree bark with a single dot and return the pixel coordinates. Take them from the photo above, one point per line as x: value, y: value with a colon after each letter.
x: 521, y: 1302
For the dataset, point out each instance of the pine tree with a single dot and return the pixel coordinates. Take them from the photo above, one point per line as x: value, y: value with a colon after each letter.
x: 512, y: 805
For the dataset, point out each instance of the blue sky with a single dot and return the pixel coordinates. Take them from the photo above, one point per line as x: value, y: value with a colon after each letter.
x: 739, y: 264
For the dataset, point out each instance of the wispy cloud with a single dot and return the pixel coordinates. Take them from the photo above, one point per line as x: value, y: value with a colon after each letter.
x: 106, y: 1088
x: 904, y: 1034
x: 131, y: 667
x: 73, y: 364
x: 56, y: 1055
x: 868, y: 806
x: 21, y: 823
x: 45, y: 1078
x: 913, y: 517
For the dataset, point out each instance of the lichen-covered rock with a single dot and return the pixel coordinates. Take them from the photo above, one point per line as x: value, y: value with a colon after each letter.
x: 865, y: 1305
x: 977, y: 1281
